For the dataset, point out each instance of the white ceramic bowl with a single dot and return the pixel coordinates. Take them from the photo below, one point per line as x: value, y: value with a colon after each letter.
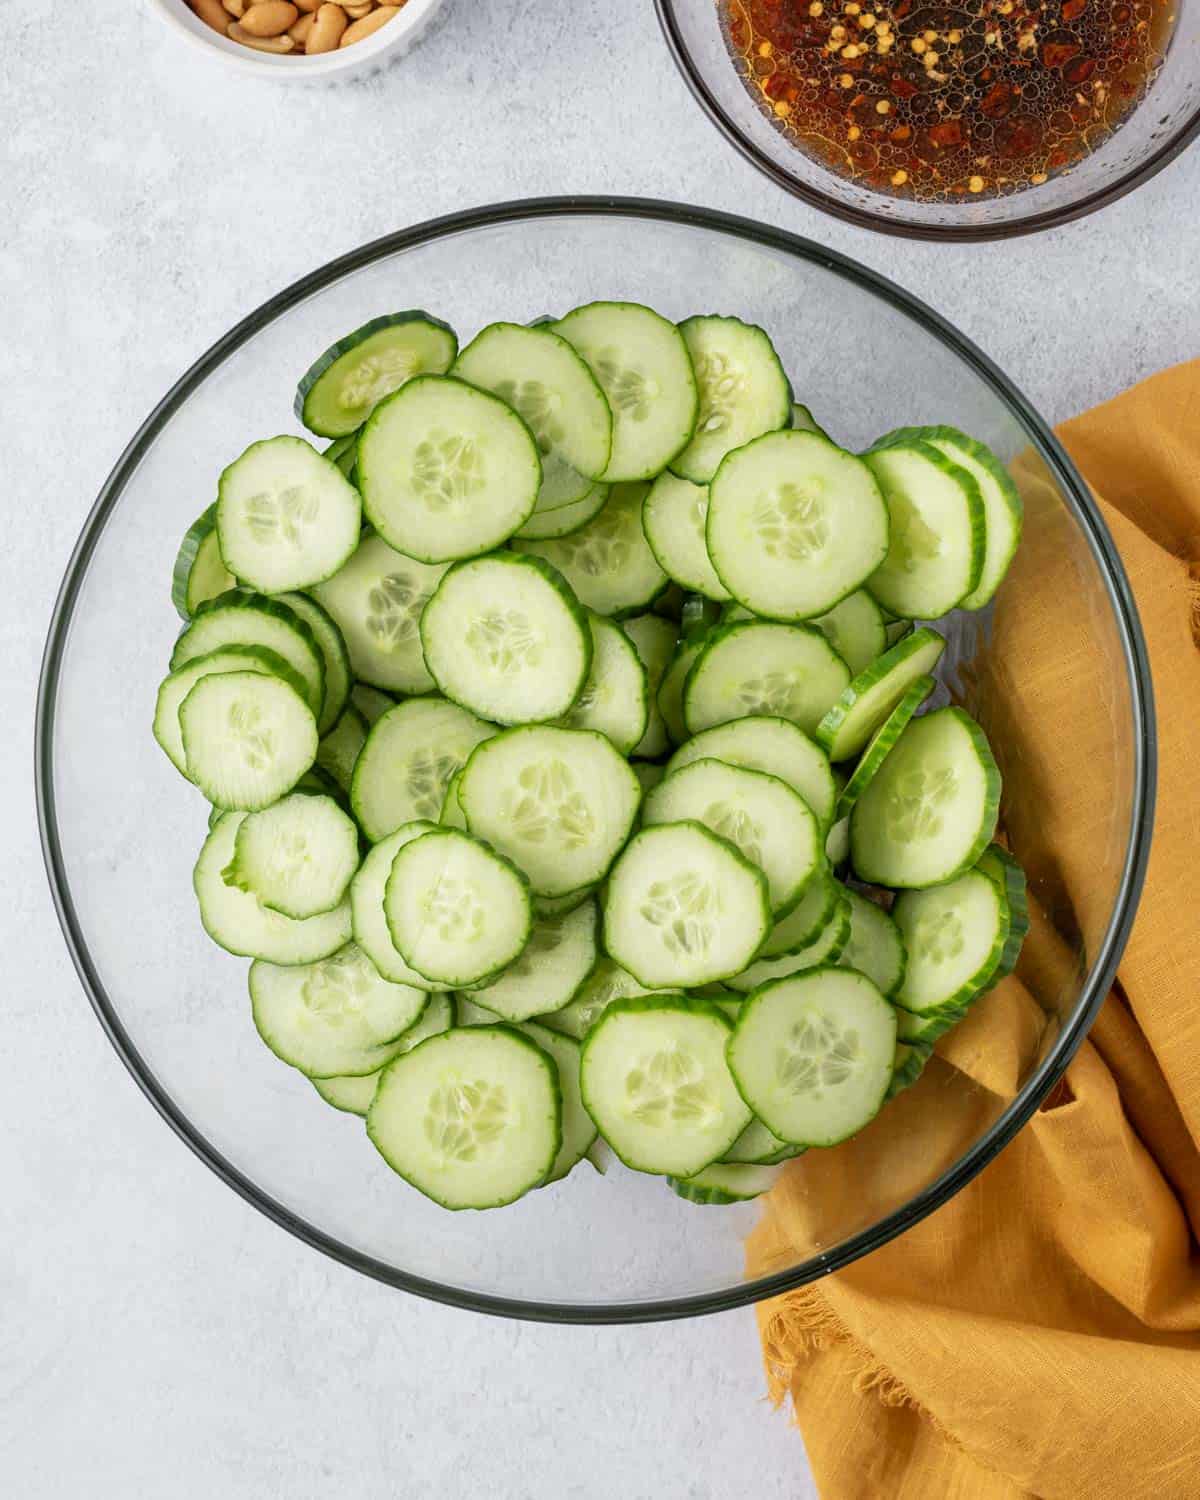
x: 388, y: 42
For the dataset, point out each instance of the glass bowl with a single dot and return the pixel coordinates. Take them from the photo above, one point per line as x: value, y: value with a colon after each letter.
x: 1166, y: 121
x: 121, y: 831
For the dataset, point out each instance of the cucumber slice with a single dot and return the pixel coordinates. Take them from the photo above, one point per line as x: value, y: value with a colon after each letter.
x: 874, y: 947
x: 470, y: 1118
x: 855, y: 629
x: 248, y: 738
x: 296, y: 857
x: 334, y: 656
x: 243, y: 619
x: 370, y: 702
x: 812, y: 1055
x: 807, y: 920
x: 354, y: 1095
x: 908, y: 1065
x: 826, y: 948
x: 649, y: 773
x: 955, y: 936
x: 654, y: 641
x: 759, y: 815
x: 937, y: 531
x: 804, y: 421
x: 684, y: 907
x: 559, y: 956
x: 446, y: 470
x: 999, y: 865
x: 872, y: 695
x: 371, y: 931
x: 457, y: 911
x: 896, y: 630
x: 756, y: 1146
x: 645, y: 371
x: 339, y: 391
x: 175, y: 688
x: 558, y: 802
x: 723, y: 1183
x: 931, y: 809
x: 670, y: 689
x: 200, y: 573
x: 759, y: 668
x: 1002, y: 506
x: 673, y: 516
x: 563, y: 520
x: 615, y: 700
x: 286, y: 516
x: 607, y: 982
x: 338, y: 752
x: 837, y: 843
x: 451, y: 814
x: 655, y: 1080
x: 505, y: 637
x: 925, y: 1030
x: 238, y: 923
x: 410, y: 755
x: 343, y: 451
x: 377, y: 600
x: 743, y: 391
x: 607, y: 562
x: 880, y: 745
x: 794, y: 525
x: 776, y: 746
x: 550, y: 387
x: 334, y: 1018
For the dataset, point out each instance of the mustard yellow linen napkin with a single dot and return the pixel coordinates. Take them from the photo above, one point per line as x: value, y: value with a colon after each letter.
x: 1040, y: 1334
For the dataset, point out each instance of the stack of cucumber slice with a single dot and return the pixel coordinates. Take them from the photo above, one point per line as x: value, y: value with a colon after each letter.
x: 563, y: 725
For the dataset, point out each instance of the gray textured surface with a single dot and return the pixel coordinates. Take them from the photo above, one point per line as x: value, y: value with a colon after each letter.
x: 159, y: 1337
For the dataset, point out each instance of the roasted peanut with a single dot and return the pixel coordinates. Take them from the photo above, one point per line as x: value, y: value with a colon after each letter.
x: 236, y: 8
x: 368, y: 24
x: 212, y: 13
x: 269, y: 18
x: 260, y: 43
x: 299, y: 32
x: 329, y: 26
x: 358, y: 10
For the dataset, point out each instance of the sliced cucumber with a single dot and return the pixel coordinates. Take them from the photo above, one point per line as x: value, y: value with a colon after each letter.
x: 837, y: 843
x: 558, y: 802
x: 760, y: 668
x: 761, y: 816
x: 931, y: 809
x: 776, y: 746
x: 807, y: 920
x: 723, y: 1183
x: 855, y: 629
x: 243, y: 619
x: 615, y: 700
x: 804, y: 421
x: 896, y: 630
x: 812, y: 1055
x: 874, y: 947
x: 335, y: 1018
x: 338, y: 752
x: 343, y: 451
x: 655, y: 1080
x: 451, y: 814
x: 826, y: 948
x: 743, y: 391
x: 563, y: 520
x: 248, y: 738
x: 200, y: 573
x: 645, y: 371
x: 447, y: 471
x: 869, y: 698
x: 557, y: 959
x: 175, y: 688
x: 238, y: 923
x: 371, y: 931
x: 607, y: 982
x: 458, y: 912
x: 924, y: 1030
x: 684, y: 907
x: 649, y: 773
x: 354, y: 1095
x: 377, y: 599
x: 370, y: 702
x: 334, y: 656
x: 340, y: 390
x: 670, y: 689
x: 999, y: 865
x: 674, y: 516
x: 756, y: 1146
x: 410, y: 755
x: 471, y: 1118
x: 880, y: 745
x: 1002, y: 505
x: 297, y: 856
x: 908, y: 1065
x: 546, y: 382
x: 608, y: 561
x: 654, y: 641
x: 937, y: 531
x: 286, y: 516
x: 505, y: 637
x: 794, y: 525
x: 955, y: 936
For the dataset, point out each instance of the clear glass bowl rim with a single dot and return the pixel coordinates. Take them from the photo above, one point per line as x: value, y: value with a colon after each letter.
x: 908, y: 228
x: 1052, y: 1065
